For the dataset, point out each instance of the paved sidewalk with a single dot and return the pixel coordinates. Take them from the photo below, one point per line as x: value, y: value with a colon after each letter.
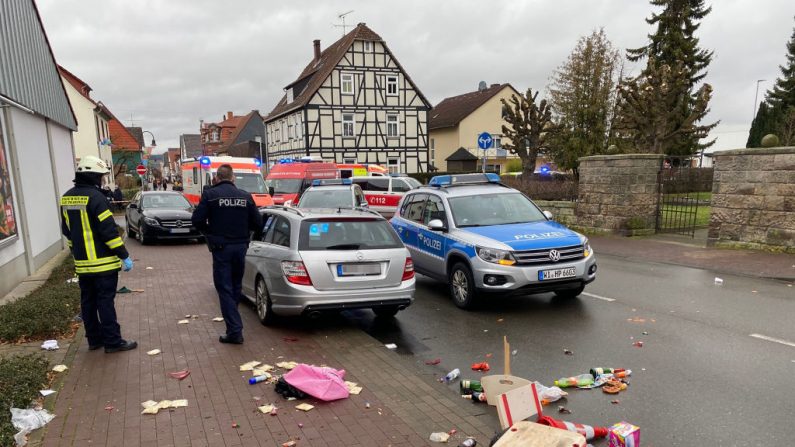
x: 685, y: 251
x: 405, y: 405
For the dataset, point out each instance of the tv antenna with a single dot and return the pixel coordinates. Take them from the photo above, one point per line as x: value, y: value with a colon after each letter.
x: 343, y: 25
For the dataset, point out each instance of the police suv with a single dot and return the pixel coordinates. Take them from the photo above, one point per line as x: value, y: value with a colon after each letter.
x: 481, y: 236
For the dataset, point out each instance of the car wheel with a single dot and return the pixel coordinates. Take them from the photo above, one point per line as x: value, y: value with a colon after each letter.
x: 140, y: 234
x: 130, y: 231
x: 570, y: 293
x: 263, y: 303
x: 385, y: 311
x: 462, y: 286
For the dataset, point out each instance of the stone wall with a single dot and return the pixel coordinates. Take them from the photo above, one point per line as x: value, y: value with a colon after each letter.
x: 562, y: 212
x: 618, y: 194
x: 753, y: 199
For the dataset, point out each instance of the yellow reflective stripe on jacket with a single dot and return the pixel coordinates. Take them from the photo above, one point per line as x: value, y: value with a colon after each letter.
x: 88, y: 236
x: 103, y: 268
x: 74, y: 200
x: 95, y: 262
x: 104, y: 215
x: 69, y: 242
x: 114, y: 243
x: 66, y: 218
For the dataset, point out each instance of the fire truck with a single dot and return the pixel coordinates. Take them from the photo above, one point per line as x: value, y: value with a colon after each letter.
x: 199, y: 173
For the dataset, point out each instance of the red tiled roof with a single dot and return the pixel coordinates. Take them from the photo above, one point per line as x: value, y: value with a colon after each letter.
x: 121, y: 137
x: 230, y: 129
x: 317, y: 71
x: 452, y: 110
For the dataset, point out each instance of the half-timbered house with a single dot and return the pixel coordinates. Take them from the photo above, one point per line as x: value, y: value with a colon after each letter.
x: 353, y: 103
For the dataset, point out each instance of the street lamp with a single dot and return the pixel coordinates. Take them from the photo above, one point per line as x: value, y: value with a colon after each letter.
x: 148, y: 167
x: 153, y: 137
x: 756, y: 95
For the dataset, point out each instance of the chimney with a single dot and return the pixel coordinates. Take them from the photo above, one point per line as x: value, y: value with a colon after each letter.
x: 316, y: 45
x: 481, y: 86
x: 229, y: 115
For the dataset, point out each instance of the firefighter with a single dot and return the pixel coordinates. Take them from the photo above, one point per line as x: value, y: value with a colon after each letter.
x: 227, y: 216
x: 99, y: 254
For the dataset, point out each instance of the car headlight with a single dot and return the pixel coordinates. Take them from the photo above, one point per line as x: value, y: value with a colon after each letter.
x: 586, y: 247
x: 151, y: 221
x: 495, y: 256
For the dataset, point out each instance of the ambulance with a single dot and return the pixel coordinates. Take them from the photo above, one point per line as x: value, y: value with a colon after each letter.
x: 360, y: 170
x: 199, y: 173
x: 289, y: 178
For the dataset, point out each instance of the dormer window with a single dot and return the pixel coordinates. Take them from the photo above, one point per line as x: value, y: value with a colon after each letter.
x: 289, y: 95
x: 215, y: 135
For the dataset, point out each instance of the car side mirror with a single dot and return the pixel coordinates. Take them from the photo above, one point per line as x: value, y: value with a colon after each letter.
x: 132, y: 206
x: 436, y: 225
x: 549, y: 215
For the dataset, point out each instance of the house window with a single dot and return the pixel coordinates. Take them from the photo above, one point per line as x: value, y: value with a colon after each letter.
x: 393, y: 165
x: 391, y: 85
x: 290, y: 131
x: 215, y: 135
x: 368, y: 46
x: 289, y: 95
x: 277, y: 134
x: 433, y: 150
x: 347, y: 125
x: 392, y: 126
x: 497, y: 143
x: 347, y: 83
x: 284, y: 130
x: 298, y: 127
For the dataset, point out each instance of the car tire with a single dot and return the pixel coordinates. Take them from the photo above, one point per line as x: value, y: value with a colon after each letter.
x: 262, y: 302
x: 570, y: 293
x: 141, y: 236
x: 130, y: 232
x: 462, y: 286
x: 385, y: 311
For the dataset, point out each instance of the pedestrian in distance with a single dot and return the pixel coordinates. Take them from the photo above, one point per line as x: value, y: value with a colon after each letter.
x: 118, y: 197
x: 227, y: 216
x: 98, y: 252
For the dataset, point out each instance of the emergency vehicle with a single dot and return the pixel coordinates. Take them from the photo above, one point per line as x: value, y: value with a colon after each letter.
x: 198, y: 173
x: 480, y: 236
x: 384, y: 193
x: 360, y: 170
x: 289, y: 178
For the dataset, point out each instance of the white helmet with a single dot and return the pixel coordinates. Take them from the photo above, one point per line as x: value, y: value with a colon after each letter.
x: 93, y: 164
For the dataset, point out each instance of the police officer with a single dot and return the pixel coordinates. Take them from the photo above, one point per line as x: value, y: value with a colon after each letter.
x: 99, y: 254
x: 226, y: 216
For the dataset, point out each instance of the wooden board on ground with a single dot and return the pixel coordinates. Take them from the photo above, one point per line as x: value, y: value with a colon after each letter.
x: 497, y: 384
x: 530, y: 434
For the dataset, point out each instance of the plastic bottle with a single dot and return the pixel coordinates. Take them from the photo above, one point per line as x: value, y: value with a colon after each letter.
x: 452, y: 375
x: 581, y: 380
x: 258, y: 379
x: 469, y: 442
x: 470, y: 385
x: 476, y: 396
x: 596, y: 372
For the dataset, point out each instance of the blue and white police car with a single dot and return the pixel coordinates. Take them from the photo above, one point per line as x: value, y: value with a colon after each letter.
x: 481, y: 236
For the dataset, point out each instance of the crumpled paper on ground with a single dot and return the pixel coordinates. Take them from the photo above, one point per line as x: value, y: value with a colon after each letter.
x: 50, y: 345
x: 152, y: 407
x: 28, y: 420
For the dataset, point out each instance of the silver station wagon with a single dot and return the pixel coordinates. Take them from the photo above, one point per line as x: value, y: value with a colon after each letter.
x: 315, y: 260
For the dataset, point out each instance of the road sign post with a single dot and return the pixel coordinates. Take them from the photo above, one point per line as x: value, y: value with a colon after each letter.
x: 484, y: 142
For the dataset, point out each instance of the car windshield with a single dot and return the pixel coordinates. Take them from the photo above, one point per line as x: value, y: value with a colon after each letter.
x: 326, y: 198
x: 284, y: 185
x: 493, y: 209
x: 347, y: 234
x: 165, y: 201
x: 414, y: 183
x: 251, y: 183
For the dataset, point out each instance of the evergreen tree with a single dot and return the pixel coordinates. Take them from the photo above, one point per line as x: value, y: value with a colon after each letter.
x: 582, y: 94
x: 529, y: 126
x: 783, y: 94
x: 763, y: 124
x: 674, y: 44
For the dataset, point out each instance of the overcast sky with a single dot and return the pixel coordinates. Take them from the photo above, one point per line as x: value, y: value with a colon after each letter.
x: 164, y: 65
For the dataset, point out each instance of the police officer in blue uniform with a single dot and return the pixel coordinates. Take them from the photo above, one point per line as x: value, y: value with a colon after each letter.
x: 227, y: 216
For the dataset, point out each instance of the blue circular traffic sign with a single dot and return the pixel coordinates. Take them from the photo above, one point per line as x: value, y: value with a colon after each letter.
x: 485, y: 140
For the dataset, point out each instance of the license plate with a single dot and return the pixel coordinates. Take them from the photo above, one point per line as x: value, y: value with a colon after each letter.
x: 364, y: 269
x: 180, y: 230
x: 544, y: 275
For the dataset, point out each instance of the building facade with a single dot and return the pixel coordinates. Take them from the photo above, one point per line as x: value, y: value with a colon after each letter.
x: 231, y: 133
x: 353, y: 103
x: 190, y: 145
x: 37, y: 159
x: 457, y: 121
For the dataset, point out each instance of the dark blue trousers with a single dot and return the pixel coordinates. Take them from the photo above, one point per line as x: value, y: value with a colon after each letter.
x: 228, y: 265
x: 98, y: 310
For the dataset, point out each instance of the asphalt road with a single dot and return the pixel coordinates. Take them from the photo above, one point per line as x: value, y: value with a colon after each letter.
x: 699, y: 379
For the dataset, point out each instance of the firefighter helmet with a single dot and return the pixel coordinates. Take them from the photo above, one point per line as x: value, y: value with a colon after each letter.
x: 92, y: 164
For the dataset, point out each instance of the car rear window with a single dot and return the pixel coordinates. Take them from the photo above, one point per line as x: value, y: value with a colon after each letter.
x: 347, y: 234
x: 327, y: 198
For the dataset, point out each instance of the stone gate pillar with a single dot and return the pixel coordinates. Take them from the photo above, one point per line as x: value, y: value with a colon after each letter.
x: 618, y: 194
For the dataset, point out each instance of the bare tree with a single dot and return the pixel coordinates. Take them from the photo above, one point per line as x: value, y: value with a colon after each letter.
x: 786, y: 127
x: 529, y: 127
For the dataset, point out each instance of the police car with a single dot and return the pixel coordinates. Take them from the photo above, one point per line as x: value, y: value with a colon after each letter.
x: 333, y: 193
x: 479, y: 235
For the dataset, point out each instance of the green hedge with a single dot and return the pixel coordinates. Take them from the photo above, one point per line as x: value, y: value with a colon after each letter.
x: 21, y: 378
x: 46, y: 312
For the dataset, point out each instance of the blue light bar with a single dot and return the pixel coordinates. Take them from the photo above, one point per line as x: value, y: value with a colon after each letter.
x: 257, y: 162
x: 205, y: 161
x: 332, y: 182
x: 463, y: 179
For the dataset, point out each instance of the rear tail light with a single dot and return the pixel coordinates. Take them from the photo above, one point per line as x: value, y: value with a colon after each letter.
x: 408, y: 269
x: 296, y: 273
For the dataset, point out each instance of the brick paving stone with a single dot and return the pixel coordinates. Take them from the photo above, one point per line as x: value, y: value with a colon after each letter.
x: 411, y: 403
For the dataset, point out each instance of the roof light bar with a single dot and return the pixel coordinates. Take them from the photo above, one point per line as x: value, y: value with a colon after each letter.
x: 463, y: 179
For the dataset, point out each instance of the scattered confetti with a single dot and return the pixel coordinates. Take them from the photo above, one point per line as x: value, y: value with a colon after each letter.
x: 304, y: 407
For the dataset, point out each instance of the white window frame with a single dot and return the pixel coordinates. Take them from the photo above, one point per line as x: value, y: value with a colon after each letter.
x: 393, y: 165
x: 351, y: 122
x: 347, y: 79
x: 497, y: 143
x: 391, y: 81
x: 392, y: 122
x: 367, y: 46
x: 433, y: 149
x: 298, y: 128
x: 349, y: 161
